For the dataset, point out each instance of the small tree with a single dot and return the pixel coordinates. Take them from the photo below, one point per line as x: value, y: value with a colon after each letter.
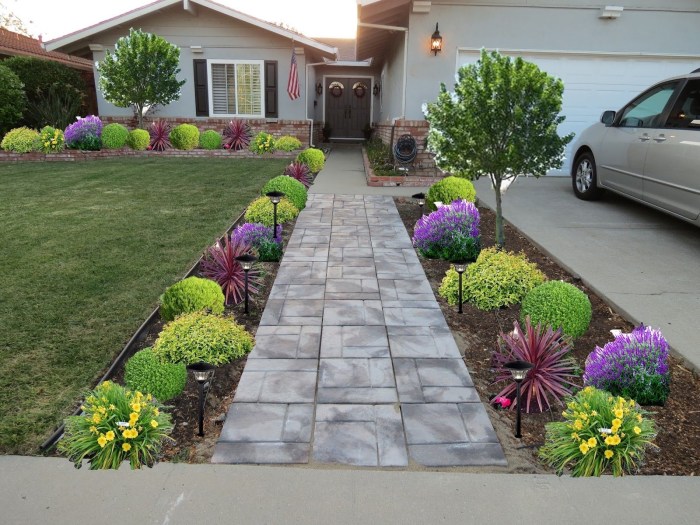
x: 141, y: 73
x: 500, y: 121
x: 12, y: 99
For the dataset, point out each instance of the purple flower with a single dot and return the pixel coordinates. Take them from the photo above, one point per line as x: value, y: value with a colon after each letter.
x: 451, y: 232
x: 255, y: 234
x: 83, y: 130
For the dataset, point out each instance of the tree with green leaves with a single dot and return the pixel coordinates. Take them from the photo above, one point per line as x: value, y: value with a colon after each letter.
x: 10, y: 21
x: 141, y: 73
x: 500, y: 121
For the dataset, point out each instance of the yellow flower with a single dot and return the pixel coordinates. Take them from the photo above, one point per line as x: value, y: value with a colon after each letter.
x: 637, y: 430
x: 639, y: 417
x: 619, y: 413
x: 592, y: 442
x: 102, y: 410
x: 616, y: 423
x: 564, y: 414
x: 609, y: 454
x: 578, y: 425
x: 112, y: 407
x: 583, y: 447
x: 594, y: 413
x: 136, y: 407
x: 102, y: 440
x: 109, y: 435
x: 126, y: 447
x: 96, y: 418
x: 154, y: 423
x: 615, y: 439
x: 609, y: 441
x: 574, y: 435
x: 156, y: 412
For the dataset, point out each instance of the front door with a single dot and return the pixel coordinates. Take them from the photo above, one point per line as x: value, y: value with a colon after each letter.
x: 348, y: 106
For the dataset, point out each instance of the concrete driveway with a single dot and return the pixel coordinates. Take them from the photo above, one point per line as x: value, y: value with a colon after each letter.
x: 645, y: 263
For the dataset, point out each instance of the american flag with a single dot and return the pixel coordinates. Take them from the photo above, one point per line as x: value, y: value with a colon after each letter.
x: 293, y: 84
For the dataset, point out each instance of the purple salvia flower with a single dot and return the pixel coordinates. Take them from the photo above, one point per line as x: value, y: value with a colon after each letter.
x: 81, y: 129
x: 451, y: 232
x: 254, y: 234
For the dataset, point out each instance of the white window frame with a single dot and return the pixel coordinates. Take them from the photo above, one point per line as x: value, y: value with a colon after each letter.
x: 260, y: 64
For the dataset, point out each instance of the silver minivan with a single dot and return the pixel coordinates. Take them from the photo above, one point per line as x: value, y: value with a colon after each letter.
x: 648, y: 151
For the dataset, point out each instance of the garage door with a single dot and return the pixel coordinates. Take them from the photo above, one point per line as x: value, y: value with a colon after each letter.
x: 594, y: 83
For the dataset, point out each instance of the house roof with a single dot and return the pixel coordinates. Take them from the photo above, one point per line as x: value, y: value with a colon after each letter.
x: 345, y: 47
x: 16, y: 44
x: 190, y: 6
x: 373, y: 41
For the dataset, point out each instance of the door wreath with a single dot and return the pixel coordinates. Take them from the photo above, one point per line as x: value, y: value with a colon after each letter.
x: 336, y: 89
x: 359, y: 90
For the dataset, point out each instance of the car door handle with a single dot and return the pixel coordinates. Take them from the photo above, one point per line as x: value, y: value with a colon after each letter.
x: 660, y: 138
x: 644, y: 137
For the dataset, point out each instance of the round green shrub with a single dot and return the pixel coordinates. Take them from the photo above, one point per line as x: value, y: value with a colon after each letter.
x: 114, y: 136
x: 287, y: 143
x: 12, y: 99
x: 448, y: 190
x: 261, y: 210
x: 193, y: 294
x: 20, y: 140
x: 313, y: 158
x: 199, y: 336
x: 449, y: 287
x: 184, y: 137
x: 210, y: 139
x: 145, y: 372
x: 499, y: 278
x: 139, y: 139
x: 558, y: 304
x: 292, y: 189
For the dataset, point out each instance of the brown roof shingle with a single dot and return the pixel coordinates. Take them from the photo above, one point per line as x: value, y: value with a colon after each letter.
x: 346, y: 47
x: 15, y: 44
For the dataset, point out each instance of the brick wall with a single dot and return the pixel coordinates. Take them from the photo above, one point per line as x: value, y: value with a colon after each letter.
x: 418, y: 129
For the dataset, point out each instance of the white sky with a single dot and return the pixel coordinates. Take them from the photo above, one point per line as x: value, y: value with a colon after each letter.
x: 314, y: 18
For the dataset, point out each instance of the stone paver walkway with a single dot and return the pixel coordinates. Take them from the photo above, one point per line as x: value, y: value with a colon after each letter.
x: 354, y: 363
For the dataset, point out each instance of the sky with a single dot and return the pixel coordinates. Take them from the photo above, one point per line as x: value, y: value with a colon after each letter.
x: 314, y: 18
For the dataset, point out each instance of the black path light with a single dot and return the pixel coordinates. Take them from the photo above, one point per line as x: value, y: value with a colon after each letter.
x: 518, y: 370
x: 275, y: 198
x: 246, y: 261
x: 202, y: 373
x: 460, y: 268
x: 420, y: 197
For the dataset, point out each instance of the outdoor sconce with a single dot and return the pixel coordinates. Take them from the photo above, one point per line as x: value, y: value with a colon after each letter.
x: 202, y: 373
x: 420, y: 197
x: 460, y: 268
x: 246, y: 261
x: 319, y: 89
x: 436, y: 41
x: 275, y: 198
x: 518, y: 369
x: 376, y: 89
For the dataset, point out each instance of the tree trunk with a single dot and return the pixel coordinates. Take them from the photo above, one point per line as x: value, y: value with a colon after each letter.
x: 139, y: 115
x: 500, y: 237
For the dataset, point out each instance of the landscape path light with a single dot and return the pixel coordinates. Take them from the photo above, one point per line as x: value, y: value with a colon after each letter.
x: 420, y: 197
x: 460, y: 268
x: 518, y: 369
x: 246, y: 261
x: 275, y: 197
x: 202, y: 373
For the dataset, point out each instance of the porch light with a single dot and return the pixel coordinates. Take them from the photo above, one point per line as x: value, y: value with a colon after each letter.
x: 436, y: 41
x: 319, y: 89
x: 376, y: 89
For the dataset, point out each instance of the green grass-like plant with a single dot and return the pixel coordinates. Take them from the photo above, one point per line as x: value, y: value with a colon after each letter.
x: 500, y: 278
x: 210, y: 140
x: 287, y: 143
x: 20, y: 140
x: 139, y: 139
x: 145, y: 372
x: 313, y: 158
x: 199, y: 336
x: 114, y: 136
x: 449, y: 189
x: 261, y: 210
x: 184, y: 137
x: 50, y: 140
x: 600, y: 434
x: 292, y: 189
x: 193, y: 294
x: 558, y: 304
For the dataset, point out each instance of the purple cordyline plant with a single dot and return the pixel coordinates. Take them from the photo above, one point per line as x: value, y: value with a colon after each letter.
x: 220, y: 265
x: 159, y: 132
x: 254, y: 233
x: 236, y: 135
x: 451, y: 232
x: 300, y: 172
x: 83, y: 129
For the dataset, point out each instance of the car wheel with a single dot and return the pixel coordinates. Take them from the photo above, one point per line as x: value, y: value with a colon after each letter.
x: 584, y: 179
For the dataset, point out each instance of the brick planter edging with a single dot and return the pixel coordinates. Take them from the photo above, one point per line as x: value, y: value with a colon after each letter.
x: 403, y: 180
x: 75, y: 155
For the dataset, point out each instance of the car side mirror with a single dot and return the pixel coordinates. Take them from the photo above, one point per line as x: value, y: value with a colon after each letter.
x: 608, y: 117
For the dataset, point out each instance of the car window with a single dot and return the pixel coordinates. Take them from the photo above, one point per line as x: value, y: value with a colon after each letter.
x: 686, y: 111
x: 646, y: 110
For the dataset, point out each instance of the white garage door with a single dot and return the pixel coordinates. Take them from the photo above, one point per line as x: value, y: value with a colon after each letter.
x: 594, y: 83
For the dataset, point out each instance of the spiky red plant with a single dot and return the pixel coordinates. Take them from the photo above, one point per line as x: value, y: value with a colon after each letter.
x: 300, y: 172
x: 236, y: 135
x: 159, y: 131
x: 547, y: 350
x: 220, y: 264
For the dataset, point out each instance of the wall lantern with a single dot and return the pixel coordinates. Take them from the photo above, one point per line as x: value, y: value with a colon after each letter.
x: 376, y: 89
x: 436, y: 41
x: 319, y: 89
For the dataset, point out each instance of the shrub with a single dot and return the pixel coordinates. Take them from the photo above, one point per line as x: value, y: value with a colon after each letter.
x: 12, y: 99
x: 84, y: 134
x: 159, y: 133
x: 196, y: 337
x: 633, y: 365
x: 260, y: 210
x: 450, y: 233
x: 57, y: 107
x: 547, y: 349
x: 448, y: 190
x: 20, y: 140
x: 287, y: 143
x: 449, y: 287
x: 600, y: 433
x: 313, y: 158
x: 500, y: 278
x: 114, y: 136
x: 260, y: 238
x: 116, y: 425
x: 557, y: 303
x: 237, y: 135
x: 145, y: 372
x: 263, y: 143
x: 50, y: 140
x: 292, y: 189
x: 219, y: 264
x: 193, y: 294
x: 300, y: 172
x: 184, y: 137
x: 139, y: 139
x: 210, y: 139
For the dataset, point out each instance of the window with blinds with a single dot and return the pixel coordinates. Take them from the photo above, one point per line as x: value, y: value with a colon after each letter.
x: 236, y: 88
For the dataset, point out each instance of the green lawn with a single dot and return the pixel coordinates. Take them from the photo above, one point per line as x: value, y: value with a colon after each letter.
x: 86, y: 248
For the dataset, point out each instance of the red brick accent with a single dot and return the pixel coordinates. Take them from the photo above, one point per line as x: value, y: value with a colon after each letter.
x: 74, y: 155
x: 418, y: 129
x: 430, y: 177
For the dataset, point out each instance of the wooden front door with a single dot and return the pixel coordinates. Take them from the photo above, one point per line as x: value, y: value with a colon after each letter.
x: 348, y: 106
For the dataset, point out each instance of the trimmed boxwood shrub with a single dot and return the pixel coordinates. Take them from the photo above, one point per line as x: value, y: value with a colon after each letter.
x: 184, y: 137
x: 292, y: 189
x: 145, y: 372
x: 20, y: 140
x: 558, y: 304
x: 448, y: 190
x: 261, y: 210
x: 12, y: 99
x: 198, y: 336
x: 287, y: 143
x: 114, y: 136
x: 193, y: 294
x: 210, y: 140
x: 313, y: 158
x: 139, y: 139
